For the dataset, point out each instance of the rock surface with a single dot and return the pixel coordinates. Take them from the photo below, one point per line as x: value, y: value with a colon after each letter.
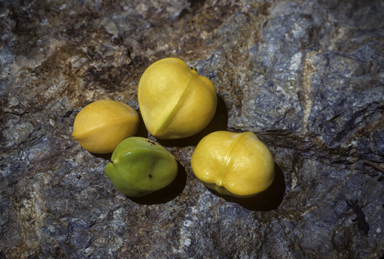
x: 306, y: 76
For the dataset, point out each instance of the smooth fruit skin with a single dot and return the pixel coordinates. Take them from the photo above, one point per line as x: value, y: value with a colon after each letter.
x: 140, y: 167
x: 236, y: 164
x: 100, y: 126
x: 175, y: 102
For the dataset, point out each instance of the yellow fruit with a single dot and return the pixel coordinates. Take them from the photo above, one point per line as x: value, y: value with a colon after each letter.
x: 236, y: 164
x: 175, y: 102
x: 100, y: 126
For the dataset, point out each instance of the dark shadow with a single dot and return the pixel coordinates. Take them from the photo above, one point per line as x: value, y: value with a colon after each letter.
x: 219, y: 122
x: 106, y: 156
x: 267, y: 200
x: 196, y: 4
x: 166, y: 194
x: 142, y: 131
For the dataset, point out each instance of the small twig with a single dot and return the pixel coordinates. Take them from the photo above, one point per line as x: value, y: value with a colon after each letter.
x: 374, y: 166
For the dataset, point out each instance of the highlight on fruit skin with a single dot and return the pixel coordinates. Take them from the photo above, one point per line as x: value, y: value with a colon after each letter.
x: 100, y: 126
x: 175, y: 102
x: 236, y: 164
x: 140, y: 166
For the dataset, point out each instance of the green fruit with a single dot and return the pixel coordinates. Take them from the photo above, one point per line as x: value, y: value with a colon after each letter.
x: 140, y: 166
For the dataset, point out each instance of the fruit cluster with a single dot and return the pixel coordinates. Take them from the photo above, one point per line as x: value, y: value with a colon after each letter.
x: 175, y: 102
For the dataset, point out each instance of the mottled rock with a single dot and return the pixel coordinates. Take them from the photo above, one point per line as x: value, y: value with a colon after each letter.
x: 306, y: 76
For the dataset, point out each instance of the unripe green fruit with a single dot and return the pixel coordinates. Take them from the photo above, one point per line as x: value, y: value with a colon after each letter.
x: 140, y: 166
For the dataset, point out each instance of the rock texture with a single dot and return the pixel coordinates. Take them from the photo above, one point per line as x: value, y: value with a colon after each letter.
x: 306, y: 76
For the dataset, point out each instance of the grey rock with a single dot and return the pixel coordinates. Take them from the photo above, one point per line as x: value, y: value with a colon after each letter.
x: 306, y: 76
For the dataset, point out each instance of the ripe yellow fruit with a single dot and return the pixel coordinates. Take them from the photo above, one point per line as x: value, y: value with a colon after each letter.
x: 100, y: 126
x: 236, y: 164
x: 175, y: 102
